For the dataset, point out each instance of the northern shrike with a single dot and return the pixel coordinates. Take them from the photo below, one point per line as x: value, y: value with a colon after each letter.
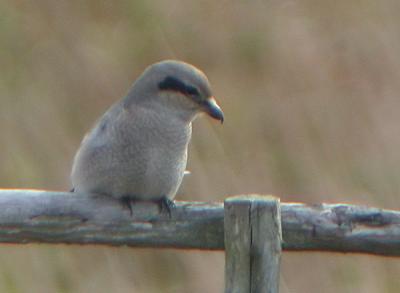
x: 138, y: 149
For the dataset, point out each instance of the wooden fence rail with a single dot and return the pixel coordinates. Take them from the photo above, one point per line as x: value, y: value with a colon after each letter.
x: 28, y: 216
x: 261, y: 226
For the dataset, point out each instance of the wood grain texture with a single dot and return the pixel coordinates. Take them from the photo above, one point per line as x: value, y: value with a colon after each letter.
x: 33, y: 216
x: 252, y: 244
x: 28, y: 216
x: 266, y: 244
x: 237, y: 226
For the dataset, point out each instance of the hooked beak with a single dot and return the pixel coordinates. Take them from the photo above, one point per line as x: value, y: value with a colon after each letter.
x: 211, y: 107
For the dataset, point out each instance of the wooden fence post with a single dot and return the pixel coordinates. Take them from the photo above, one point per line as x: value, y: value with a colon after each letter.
x: 253, y: 237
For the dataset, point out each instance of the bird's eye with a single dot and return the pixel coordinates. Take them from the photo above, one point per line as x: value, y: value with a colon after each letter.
x: 173, y: 84
x: 192, y: 90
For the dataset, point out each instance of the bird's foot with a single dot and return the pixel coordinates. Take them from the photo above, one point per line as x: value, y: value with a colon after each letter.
x: 166, y: 205
x: 128, y: 202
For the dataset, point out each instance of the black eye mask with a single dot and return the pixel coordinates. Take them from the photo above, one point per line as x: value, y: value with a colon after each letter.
x: 174, y: 84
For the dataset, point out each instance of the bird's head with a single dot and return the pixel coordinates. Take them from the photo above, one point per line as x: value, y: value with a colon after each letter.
x: 177, y: 87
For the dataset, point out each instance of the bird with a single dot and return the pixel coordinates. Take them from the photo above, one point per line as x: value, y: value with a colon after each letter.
x: 138, y: 149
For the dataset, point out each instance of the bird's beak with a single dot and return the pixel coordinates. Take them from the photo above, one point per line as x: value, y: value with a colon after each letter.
x: 211, y: 107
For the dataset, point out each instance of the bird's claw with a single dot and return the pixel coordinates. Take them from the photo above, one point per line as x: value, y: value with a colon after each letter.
x: 127, y: 202
x: 166, y: 205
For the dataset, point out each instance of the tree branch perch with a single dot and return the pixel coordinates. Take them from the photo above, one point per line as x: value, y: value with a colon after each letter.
x: 32, y: 216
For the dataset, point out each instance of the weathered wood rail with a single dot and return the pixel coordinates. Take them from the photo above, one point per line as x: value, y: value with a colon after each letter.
x: 254, y: 228
x: 28, y: 216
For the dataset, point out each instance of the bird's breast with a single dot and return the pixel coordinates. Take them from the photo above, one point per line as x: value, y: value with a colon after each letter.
x: 163, y: 155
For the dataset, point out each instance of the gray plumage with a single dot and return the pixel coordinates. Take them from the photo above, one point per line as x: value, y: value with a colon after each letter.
x: 138, y: 148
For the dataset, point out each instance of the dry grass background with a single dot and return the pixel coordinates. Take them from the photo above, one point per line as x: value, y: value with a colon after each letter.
x: 310, y: 91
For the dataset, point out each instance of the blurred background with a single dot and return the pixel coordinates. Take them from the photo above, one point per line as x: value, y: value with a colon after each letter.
x: 310, y: 91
